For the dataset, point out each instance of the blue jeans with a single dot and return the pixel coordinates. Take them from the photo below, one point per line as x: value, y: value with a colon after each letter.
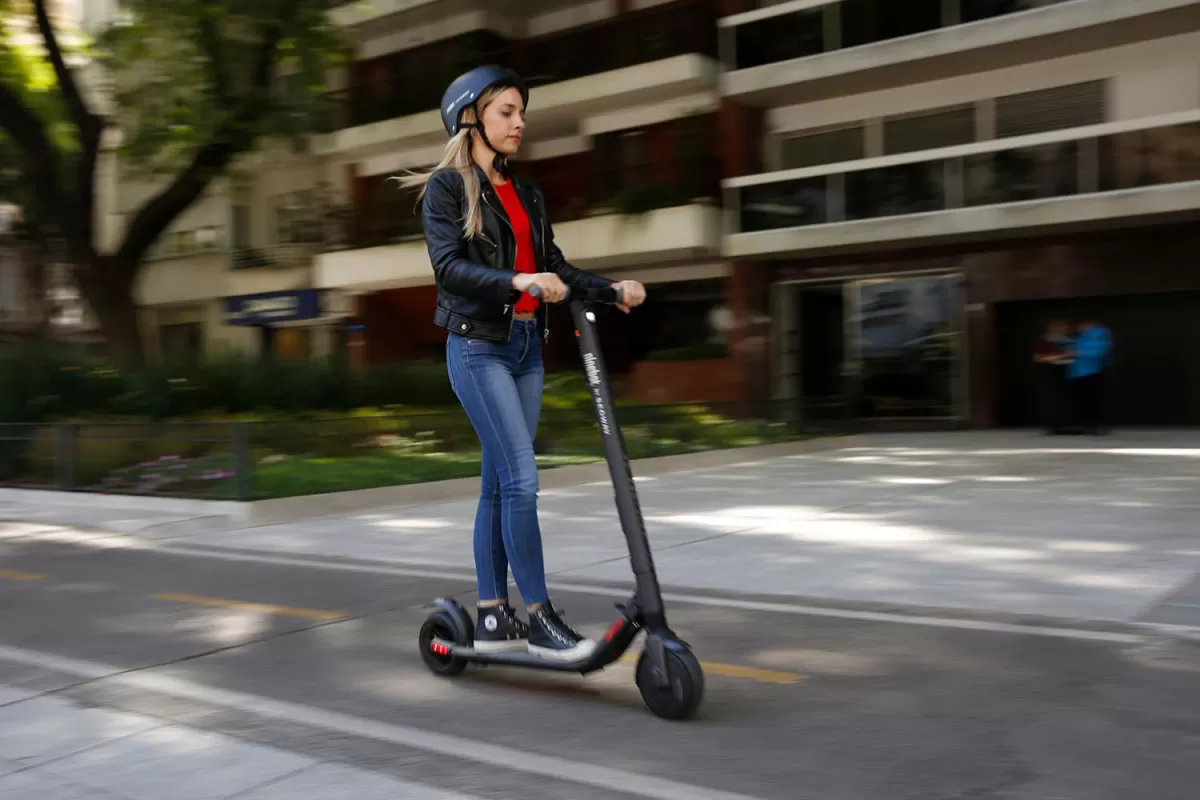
x: 500, y: 387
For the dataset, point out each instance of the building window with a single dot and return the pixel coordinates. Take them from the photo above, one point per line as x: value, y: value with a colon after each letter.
x: 976, y: 10
x: 929, y: 130
x: 1051, y: 109
x: 298, y: 218
x: 182, y: 343
x: 831, y: 146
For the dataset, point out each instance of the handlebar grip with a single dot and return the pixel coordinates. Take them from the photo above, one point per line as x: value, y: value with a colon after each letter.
x: 609, y: 294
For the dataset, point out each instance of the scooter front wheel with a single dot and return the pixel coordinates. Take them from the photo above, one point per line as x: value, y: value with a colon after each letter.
x: 441, y: 624
x: 680, y: 698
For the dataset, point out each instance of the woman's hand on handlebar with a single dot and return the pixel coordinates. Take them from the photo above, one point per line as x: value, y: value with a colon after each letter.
x: 553, y: 290
x: 632, y: 294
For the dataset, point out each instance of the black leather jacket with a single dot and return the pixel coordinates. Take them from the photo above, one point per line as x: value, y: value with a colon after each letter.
x: 474, y: 276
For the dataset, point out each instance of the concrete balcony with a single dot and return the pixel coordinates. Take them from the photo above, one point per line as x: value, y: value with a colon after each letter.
x: 555, y: 108
x: 349, y: 13
x: 598, y: 242
x: 804, y: 50
x: 219, y: 272
x: 1092, y: 178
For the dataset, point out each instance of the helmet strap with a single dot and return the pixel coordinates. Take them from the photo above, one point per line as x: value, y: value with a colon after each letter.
x: 500, y: 162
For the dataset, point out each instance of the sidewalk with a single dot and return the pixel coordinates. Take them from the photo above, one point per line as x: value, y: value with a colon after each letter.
x: 988, y: 522
x: 51, y: 747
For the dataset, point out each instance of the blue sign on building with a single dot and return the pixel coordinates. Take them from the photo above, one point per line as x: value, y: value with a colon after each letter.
x: 271, y: 307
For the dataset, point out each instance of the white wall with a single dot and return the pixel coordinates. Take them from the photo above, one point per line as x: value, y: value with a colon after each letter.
x: 1161, y: 76
x: 414, y: 32
x: 1156, y: 89
x: 570, y: 17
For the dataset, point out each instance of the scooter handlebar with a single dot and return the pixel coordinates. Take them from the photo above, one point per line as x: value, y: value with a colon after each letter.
x: 609, y: 294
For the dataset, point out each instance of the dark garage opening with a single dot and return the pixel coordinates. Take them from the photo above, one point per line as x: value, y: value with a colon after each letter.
x: 1155, y: 378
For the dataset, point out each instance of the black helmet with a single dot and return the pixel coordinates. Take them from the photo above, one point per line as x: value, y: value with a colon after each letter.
x: 468, y: 87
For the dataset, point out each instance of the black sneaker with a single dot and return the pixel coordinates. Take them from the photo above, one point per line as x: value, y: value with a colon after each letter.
x: 550, y: 637
x: 499, y: 630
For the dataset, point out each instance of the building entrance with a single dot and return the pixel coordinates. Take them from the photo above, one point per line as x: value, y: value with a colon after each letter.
x: 879, y: 348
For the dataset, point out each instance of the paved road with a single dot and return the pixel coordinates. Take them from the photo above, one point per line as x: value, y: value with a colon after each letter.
x: 988, y: 521
x: 182, y: 676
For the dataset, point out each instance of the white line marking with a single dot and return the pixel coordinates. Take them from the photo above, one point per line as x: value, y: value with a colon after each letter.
x: 416, y: 738
x: 701, y: 600
x: 441, y: 573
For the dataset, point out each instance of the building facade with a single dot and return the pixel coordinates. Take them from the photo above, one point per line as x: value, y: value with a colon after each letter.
x: 622, y: 136
x: 922, y: 186
x: 857, y: 208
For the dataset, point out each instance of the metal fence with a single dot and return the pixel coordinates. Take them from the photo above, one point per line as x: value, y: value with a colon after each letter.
x: 250, y: 460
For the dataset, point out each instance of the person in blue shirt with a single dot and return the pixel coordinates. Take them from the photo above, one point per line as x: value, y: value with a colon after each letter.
x: 1091, y: 359
x: 1052, y: 354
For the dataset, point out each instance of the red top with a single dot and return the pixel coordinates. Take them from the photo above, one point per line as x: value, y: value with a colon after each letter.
x: 525, y: 256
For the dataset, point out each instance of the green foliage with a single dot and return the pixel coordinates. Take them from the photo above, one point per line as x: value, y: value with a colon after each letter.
x: 650, y: 197
x: 26, y: 72
x: 184, y: 72
x: 45, y: 382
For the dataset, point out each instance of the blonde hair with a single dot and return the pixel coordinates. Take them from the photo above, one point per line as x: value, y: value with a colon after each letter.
x: 458, y: 156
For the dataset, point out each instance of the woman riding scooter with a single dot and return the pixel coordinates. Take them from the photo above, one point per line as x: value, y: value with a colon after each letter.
x: 490, y: 241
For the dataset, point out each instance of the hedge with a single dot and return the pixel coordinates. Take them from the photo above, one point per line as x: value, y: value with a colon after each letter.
x: 43, y: 382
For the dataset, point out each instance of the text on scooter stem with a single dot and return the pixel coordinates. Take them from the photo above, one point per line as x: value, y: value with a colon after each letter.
x: 593, y: 376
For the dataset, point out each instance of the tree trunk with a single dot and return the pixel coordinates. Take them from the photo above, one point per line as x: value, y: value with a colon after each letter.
x: 110, y: 297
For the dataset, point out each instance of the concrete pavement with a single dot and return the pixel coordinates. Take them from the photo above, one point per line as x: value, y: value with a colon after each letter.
x: 173, y: 674
x: 1093, y: 529
x: 56, y: 748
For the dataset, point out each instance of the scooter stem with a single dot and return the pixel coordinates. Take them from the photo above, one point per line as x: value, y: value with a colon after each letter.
x: 629, y: 511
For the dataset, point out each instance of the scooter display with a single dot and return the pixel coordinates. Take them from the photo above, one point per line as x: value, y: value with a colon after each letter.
x: 667, y: 674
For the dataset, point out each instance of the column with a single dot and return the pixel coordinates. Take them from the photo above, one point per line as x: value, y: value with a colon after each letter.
x: 980, y: 346
x: 356, y: 336
x: 747, y: 288
x: 355, y: 196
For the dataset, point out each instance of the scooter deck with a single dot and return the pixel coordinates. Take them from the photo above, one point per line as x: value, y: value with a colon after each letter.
x: 614, y: 644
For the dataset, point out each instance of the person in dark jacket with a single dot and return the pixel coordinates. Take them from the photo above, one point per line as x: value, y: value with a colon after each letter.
x: 490, y: 240
x: 1052, y: 353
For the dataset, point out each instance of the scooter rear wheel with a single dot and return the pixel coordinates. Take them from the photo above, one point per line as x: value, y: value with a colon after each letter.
x: 680, y: 698
x: 440, y: 625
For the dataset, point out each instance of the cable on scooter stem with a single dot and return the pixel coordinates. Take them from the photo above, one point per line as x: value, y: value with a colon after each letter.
x: 608, y: 294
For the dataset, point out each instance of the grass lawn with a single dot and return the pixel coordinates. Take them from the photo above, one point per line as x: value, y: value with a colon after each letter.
x: 296, y: 458
x: 301, y: 476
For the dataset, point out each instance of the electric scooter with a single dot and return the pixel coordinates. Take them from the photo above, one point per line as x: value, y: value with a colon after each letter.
x: 668, y: 675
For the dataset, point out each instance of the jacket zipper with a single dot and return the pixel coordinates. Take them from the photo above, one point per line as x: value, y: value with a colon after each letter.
x: 513, y: 266
x: 545, y: 308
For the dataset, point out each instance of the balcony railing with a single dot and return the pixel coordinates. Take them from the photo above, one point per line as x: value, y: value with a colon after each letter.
x: 624, y: 41
x: 772, y: 34
x: 1101, y: 158
x: 628, y: 40
x: 571, y: 194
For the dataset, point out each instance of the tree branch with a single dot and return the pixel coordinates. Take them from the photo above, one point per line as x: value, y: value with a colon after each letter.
x: 235, y: 136
x: 210, y: 43
x: 77, y: 107
x: 90, y: 127
x: 42, y: 168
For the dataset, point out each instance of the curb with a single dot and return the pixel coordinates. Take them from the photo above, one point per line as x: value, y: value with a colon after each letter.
x: 213, y: 516
x: 1151, y: 639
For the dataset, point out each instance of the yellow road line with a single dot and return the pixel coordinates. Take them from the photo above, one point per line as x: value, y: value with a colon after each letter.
x: 735, y: 671
x: 709, y: 667
x: 265, y: 608
x: 14, y: 575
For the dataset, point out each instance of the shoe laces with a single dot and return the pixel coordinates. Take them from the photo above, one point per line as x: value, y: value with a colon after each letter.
x: 511, y: 616
x: 554, y: 624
